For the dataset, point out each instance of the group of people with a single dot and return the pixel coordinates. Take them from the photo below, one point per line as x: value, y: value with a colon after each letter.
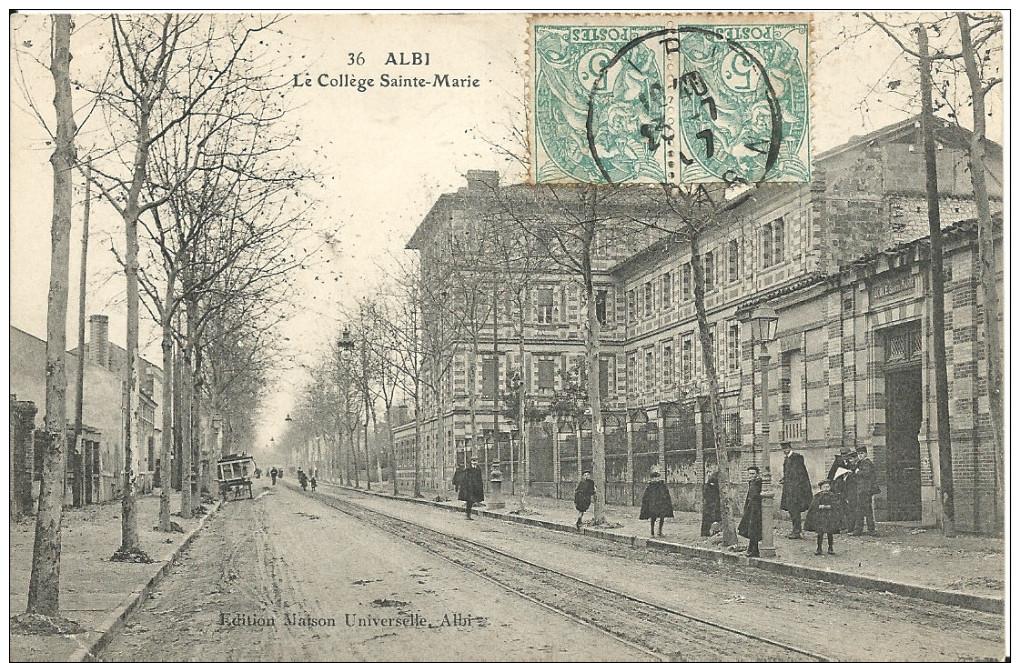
x: 305, y: 480
x: 656, y: 503
x: 844, y: 501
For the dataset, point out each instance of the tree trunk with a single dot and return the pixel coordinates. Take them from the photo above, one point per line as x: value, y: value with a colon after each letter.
x: 187, y: 505
x: 521, y: 414
x: 441, y: 431
x: 393, y: 447
x: 988, y: 276
x: 166, y: 444
x: 44, y: 585
x: 419, y: 435
x: 715, y: 419
x: 132, y: 210
x: 938, y: 302
x: 592, y: 357
x: 472, y: 375
x: 354, y: 453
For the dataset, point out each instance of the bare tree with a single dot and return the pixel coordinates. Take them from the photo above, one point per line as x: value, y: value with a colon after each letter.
x: 959, y: 73
x: 378, y: 319
x: 167, y: 70
x: 686, y: 213
x: 981, y: 37
x: 567, y: 221
x: 44, y: 584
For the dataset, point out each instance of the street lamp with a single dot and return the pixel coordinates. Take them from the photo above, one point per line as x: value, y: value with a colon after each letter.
x: 345, y: 344
x: 764, y: 323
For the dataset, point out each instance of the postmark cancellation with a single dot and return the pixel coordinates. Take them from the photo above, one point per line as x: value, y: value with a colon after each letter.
x: 651, y: 99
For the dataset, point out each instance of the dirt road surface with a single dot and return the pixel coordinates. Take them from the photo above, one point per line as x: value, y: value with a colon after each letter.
x: 263, y: 566
x: 270, y: 563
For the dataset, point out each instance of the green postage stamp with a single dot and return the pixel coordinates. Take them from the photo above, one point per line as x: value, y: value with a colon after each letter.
x: 665, y: 101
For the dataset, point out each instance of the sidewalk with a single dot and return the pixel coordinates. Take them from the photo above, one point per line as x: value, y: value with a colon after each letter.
x: 966, y: 571
x: 95, y: 592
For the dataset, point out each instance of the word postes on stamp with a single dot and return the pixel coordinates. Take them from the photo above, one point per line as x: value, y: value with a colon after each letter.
x: 693, y: 103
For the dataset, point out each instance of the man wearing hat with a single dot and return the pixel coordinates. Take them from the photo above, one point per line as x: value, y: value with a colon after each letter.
x: 797, y: 495
x: 471, y: 489
x: 867, y: 488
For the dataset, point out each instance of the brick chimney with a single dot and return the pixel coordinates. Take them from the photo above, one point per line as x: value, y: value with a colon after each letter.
x: 482, y: 180
x: 99, y: 340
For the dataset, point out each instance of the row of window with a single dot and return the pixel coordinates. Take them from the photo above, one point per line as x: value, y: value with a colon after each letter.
x: 652, y: 376
x: 546, y: 310
x: 665, y: 375
x: 669, y: 289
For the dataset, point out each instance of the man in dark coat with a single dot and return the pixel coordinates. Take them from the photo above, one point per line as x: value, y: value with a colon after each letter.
x: 302, y: 479
x: 750, y: 522
x: 867, y: 488
x: 796, y: 488
x: 471, y: 488
x: 582, y: 496
x: 273, y: 474
x: 711, y: 508
x: 844, y: 483
x: 657, y: 502
x: 825, y: 516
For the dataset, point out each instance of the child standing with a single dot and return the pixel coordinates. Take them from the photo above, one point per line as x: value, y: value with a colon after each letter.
x: 582, y: 496
x: 825, y: 516
x: 656, y: 503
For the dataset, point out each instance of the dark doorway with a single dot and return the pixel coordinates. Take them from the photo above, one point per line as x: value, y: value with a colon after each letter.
x: 903, y: 413
x: 92, y: 471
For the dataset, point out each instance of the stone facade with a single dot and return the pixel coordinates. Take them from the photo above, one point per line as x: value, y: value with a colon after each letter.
x: 842, y: 261
x: 103, y: 411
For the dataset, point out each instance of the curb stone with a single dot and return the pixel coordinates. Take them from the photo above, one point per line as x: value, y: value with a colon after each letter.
x: 106, y: 630
x: 945, y: 597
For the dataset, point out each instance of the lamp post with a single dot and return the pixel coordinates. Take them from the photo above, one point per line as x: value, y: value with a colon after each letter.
x: 346, y: 347
x: 763, y: 323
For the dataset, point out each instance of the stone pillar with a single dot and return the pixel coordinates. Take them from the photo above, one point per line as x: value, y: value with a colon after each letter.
x: 22, y: 455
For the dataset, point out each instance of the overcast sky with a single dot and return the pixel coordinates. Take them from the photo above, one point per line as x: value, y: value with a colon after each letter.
x: 386, y: 153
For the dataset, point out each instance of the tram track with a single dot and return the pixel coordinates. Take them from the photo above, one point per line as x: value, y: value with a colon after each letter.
x: 657, y: 630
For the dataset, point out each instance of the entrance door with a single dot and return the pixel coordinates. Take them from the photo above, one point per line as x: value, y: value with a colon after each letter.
x: 903, y: 424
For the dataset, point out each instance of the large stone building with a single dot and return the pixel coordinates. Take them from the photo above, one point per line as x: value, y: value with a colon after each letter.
x: 843, y: 261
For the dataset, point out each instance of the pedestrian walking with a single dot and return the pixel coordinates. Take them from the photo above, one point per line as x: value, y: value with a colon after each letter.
x: 273, y: 474
x: 471, y: 489
x: 313, y: 481
x: 750, y: 522
x: 825, y: 516
x: 711, y: 509
x: 582, y: 496
x: 867, y: 487
x: 657, y: 502
x: 302, y: 479
x: 797, y: 492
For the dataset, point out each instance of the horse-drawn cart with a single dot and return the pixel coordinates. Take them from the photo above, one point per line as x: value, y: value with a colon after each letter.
x: 235, y: 473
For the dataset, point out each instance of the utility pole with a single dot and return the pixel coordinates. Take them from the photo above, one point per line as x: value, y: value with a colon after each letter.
x: 78, y: 458
x: 936, y: 275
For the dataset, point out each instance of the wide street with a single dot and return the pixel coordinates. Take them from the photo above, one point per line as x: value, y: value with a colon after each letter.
x: 292, y: 576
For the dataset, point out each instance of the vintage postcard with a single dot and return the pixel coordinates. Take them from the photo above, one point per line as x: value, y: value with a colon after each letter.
x: 508, y: 336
